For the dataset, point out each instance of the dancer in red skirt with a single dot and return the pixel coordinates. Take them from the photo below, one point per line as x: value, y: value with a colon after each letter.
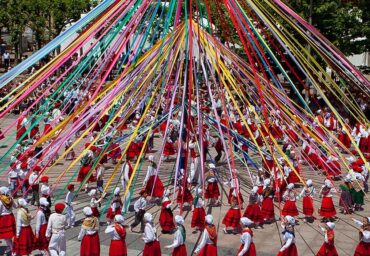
x: 166, y: 216
x: 152, y: 246
x: 117, y: 232
x: 178, y: 245
x: 7, y: 220
x: 208, y: 244
x: 153, y: 184
x: 267, y: 207
x: 95, y: 203
x: 212, y: 191
x: 247, y: 248
x: 184, y: 196
x: 199, y: 214
x: 344, y: 137
x: 308, y: 193
x: 289, y: 248
x: 232, y: 218
x: 115, y: 207
x: 328, y: 248
x: 327, y: 209
x: 234, y: 185
x: 253, y: 211
x: 22, y: 127
x: 89, y: 234
x: 289, y: 197
x: 363, y: 248
x: 169, y: 149
x: 24, y: 239
x: 42, y: 217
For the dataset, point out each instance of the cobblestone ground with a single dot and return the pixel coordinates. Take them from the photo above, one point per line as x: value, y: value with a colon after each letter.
x: 267, y: 239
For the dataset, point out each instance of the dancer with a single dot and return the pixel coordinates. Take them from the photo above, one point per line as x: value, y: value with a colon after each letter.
x: 178, y: 245
x: 115, y: 207
x: 95, y: 203
x: 70, y: 214
x: 327, y: 209
x: 363, y: 248
x: 166, y: 215
x: 24, y: 239
x: 232, y: 217
x: 253, y: 210
x: 56, y: 231
x: 289, y: 248
x: 45, y: 188
x: 289, y: 197
x: 308, y: 193
x: 139, y: 207
x: 199, y: 214
x: 345, y: 201
x: 212, y: 191
x: 7, y: 220
x: 42, y: 217
x: 247, y: 247
x: 208, y: 244
x: 152, y: 246
x: 267, y: 208
x: 152, y: 183
x: 117, y: 232
x: 35, y: 187
x: 328, y: 248
x: 89, y: 234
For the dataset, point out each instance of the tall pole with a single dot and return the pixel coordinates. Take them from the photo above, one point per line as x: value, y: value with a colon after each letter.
x: 310, y: 21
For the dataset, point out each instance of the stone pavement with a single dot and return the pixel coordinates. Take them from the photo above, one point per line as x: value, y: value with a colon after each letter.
x: 309, y: 237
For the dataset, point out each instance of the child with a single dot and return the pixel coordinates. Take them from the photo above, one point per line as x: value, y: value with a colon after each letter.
x: 117, y: 232
x: 7, y: 220
x: 139, y: 208
x: 212, y: 191
x: 95, y: 203
x: 289, y: 248
x: 199, y: 214
x: 45, y: 188
x: 70, y: 215
x: 308, y: 193
x: 179, y: 238
x: 247, y: 248
x: 42, y: 217
x: 115, y: 207
x: 24, y: 239
x: 152, y: 245
x: 328, y: 248
x: 89, y: 234
x: 166, y: 215
x: 208, y: 245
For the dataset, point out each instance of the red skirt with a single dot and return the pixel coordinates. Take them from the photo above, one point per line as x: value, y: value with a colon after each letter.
x: 7, y: 226
x: 253, y: 212
x: 267, y: 209
x: 95, y: 212
x: 24, y: 244
x: 154, y: 185
x: 20, y: 132
x: 308, y: 206
x: 180, y: 251
x: 208, y: 250
x: 166, y: 220
x: 117, y: 248
x: 42, y: 243
x: 230, y: 196
x: 90, y: 245
x: 169, y: 149
x: 83, y: 172
x: 290, y: 251
x: 290, y: 209
x: 362, y: 249
x: 232, y: 218
x: 293, y: 177
x: 212, y: 191
x: 251, y: 251
x: 152, y: 249
x: 187, y: 198
x: 111, y: 214
x: 328, y: 250
x: 199, y: 218
x: 363, y: 144
x: 327, y: 209
x: 344, y: 138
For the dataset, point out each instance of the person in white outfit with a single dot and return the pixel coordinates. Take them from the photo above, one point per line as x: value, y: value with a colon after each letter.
x: 56, y: 231
x: 70, y: 214
x: 178, y: 245
x: 247, y: 246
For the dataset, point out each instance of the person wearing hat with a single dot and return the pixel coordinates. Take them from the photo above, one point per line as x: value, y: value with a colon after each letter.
x: 232, y: 217
x: 328, y: 248
x: 364, y: 225
x: 208, y: 244
x: 247, y: 247
x: 152, y: 246
x: 166, y: 215
x: 24, y: 238
x: 55, y: 231
x: 71, y: 154
x: 327, y: 209
x: 70, y: 215
x: 22, y: 127
x: 45, y: 188
x: 289, y: 197
x: 289, y: 248
x: 169, y: 149
x: 89, y: 234
x: 87, y: 161
x: 184, y: 196
x: 233, y: 183
x: 363, y: 247
x: 212, y: 192
x: 95, y: 202
x: 7, y: 220
x: 307, y: 193
x: 139, y: 207
x: 23, y: 171
x: 152, y: 183
x: 178, y: 245
x: 117, y: 232
x: 199, y: 214
x: 115, y: 206
x: 267, y: 207
x: 42, y: 217
x: 35, y: 187
x: 13, y: 177
x: 253, y: 210
x: 346, y: 203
